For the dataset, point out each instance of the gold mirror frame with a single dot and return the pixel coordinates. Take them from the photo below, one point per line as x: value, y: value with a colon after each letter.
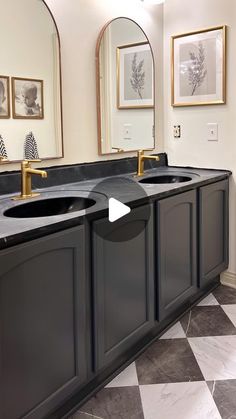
x: 98, y: 90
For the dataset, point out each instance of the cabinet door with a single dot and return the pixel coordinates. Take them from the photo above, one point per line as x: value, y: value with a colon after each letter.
x: 213, y: 230
x: 42, y: 324
x: 123, y: 283
x: 176, y: 257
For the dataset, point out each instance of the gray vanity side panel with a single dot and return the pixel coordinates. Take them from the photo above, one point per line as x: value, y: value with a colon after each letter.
x: 123, y: 285
x: 42, y: 324
x: 177, y: 253
x: 213, y: 230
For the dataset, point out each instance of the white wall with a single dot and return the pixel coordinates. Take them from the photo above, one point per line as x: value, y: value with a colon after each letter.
x: 193, y: 149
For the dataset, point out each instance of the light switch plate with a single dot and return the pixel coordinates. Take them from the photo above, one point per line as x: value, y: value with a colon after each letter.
x: 212, y: 132
x: 127, y: 131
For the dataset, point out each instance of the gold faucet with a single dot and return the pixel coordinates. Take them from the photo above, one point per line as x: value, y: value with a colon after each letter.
x: 26, y: 184
x: 141, y: 158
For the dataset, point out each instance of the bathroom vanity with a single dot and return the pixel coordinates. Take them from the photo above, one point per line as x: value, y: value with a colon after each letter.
x: 81, y: 297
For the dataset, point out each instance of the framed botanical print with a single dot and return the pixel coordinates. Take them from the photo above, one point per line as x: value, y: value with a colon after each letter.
x: 135, y: 76
x: 199, y: 67
x: 4, y: 97
x: 27, y: 98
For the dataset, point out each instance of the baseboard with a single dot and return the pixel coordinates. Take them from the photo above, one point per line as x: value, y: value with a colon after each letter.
x: 228, y: 279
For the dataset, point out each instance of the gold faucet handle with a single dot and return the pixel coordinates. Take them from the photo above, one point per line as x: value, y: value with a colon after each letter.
x: 140, y: 153
x: 27, y: 162
x: 33, y: 160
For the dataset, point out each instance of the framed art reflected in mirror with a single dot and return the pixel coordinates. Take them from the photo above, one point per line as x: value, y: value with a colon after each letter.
x: 4, y: 97
x: 134, y: 76
x: 27, y: 98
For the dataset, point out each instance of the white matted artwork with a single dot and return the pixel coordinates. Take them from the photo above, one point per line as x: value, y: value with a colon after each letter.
x: 135, y: 76
x: 199, y: 67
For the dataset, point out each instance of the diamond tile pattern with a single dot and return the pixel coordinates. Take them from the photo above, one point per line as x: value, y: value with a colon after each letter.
x: 189, y: 373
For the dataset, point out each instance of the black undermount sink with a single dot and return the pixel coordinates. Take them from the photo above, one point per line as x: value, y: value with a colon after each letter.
x: 49, y: 207
x: 162, y: 179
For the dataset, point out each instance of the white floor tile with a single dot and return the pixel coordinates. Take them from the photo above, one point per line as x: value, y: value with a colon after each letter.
x: 216, y: 356
x: 175, y: 332
x: 210, y: 300
x: 230, y: 310
x: 178, y: 401
x: 128, y: 377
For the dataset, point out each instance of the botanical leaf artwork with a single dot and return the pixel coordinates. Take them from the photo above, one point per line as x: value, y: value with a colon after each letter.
x: 3, y: 151
x: 137, y: 79
x: 197, y: 71
x: 30, y: 147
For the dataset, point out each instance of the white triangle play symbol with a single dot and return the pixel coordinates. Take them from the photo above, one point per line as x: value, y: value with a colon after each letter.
x: 117, y: 210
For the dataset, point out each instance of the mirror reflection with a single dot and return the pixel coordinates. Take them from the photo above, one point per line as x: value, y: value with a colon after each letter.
x: 125, y: 86
x: 30, y: 82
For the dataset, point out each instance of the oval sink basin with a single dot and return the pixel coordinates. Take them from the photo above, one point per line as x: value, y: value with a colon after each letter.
x: 162, y: 179
x: 49, y: 207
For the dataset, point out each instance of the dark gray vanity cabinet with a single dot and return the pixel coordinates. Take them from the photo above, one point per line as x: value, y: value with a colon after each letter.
x: 123, y: 283
x: 213, y: 230
x: 42, y: 324
x: 176, y: 251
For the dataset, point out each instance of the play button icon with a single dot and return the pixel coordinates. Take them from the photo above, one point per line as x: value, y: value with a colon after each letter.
x: 117, y: 210
x: 125, y: 209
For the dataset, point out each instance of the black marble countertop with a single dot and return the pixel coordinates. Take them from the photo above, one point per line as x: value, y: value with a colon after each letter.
x: 125, y: 188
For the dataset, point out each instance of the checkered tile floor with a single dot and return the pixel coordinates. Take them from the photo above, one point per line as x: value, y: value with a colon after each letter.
x: 189, y: 373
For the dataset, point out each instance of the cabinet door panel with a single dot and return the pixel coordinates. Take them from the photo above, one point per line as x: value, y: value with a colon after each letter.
x: 213, y: 233
x: 176, y: 259
x: 123, y: 284
x: 41, y: 323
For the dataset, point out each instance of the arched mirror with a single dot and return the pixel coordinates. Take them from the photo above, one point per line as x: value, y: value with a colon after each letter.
x: 125, y: 88
x: 30, y: 82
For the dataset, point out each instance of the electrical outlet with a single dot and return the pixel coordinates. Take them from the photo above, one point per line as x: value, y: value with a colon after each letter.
x: 177, y: 131
x: 212, y: 132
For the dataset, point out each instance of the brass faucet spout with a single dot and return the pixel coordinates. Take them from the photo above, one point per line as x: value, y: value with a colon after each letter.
x: 141, y: 158
x: 41, y: 173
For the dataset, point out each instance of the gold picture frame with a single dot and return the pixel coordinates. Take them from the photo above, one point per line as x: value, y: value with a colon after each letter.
x: 5, y: 111
x: 198, y: 67
x: 27, y: 98
x: 127, y: 96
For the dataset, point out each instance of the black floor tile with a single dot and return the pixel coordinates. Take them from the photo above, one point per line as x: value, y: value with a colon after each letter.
x: 224, y: 393
x: 207, y: 321
x: 168, y: 361
x: 225, y: 295
x: 113, y: 403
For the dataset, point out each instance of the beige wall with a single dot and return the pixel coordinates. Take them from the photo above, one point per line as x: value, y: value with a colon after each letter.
x: 79, y: 23
x: 193, y: 149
